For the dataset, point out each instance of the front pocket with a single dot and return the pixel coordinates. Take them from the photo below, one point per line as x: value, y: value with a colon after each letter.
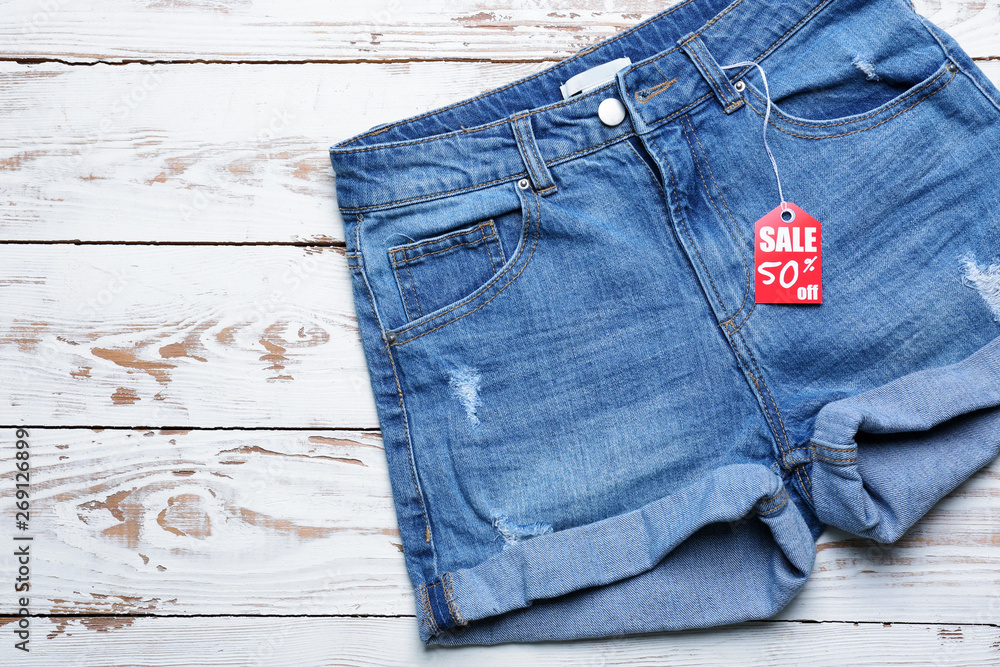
x: 806, y: 128
x: 435, y: 272
x: 848, y: 64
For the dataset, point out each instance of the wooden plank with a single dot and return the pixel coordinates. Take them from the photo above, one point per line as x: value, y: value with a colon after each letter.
x: 209, y: 522
x: 272, y: 30
x: 205, y: 153
x: 244, y: 336
x: 231, y: 153
x: 130, y: 521
x: 302, y: 642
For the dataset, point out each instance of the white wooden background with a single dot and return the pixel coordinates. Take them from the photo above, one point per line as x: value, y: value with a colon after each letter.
x: 177, y: 333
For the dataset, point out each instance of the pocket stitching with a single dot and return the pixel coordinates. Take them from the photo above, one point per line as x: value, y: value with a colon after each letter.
x: 438, y: 239
x: 489, y: 252
x: 880, y: 109
x: 413, y: 288
x: 403, y: 289
x: 820, y: 125
x: 471, y: 298
x: 407, y: 260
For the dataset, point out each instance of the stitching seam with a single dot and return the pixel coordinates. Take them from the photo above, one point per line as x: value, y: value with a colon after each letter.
x: 876, y: 112
x: 413, y: 287
x: 784, y: 501
x: 673, y: 186
x: 652, y: 175
x: 837, y: 461
x: 697, y: 51
x: 747, y: 317
x: 833, y: 449
x: 774, y: 403
x: 861, y: 129
x: 406, y: 425
x: 402, y: 292
x: 425, y: 605
x: 767, y: 409
x: 515, y: 177
x: 481, y: 128
x: 652, y: 124
x: 739, y: 244
x: 449, y: 596
x: 527, y: 139
x: 408, y: 246
x: 807, y: 488
x: 489, y: 253
x: 409, y: 260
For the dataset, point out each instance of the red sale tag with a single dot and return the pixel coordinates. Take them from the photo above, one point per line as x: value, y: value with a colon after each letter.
x: 788, y: 257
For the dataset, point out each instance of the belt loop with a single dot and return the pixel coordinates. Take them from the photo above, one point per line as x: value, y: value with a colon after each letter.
x: 695, y: 49
x: 539, y: 174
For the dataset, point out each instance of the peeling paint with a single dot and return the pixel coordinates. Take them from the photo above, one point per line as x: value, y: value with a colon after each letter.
x: 324, y: 440
x: 124, y: 396
x: 185, y: 515
x: 284, y: 525
x: 304, y: 169
x: 127, y: 359
x: 175, y: 165
x: 227, y: 335
x: 277, y: 344
x: 94, y: 623
x: 255, y: 449
x: 177, y: 350
x: 19, y: 160
x: 125, y: 509
x: 25, y: 335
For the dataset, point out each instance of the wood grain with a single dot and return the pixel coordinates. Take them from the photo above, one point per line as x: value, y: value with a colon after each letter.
x: 379, y: 30
x: 203, y: 153
x: 232, y: 336
x: 302, y: 522
x: 207, y: 522
x: 218, y: 153
x: 213, y: 545
x: 303, y: 642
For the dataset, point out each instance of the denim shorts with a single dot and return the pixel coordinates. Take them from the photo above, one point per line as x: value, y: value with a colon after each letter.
x: 592, y: 427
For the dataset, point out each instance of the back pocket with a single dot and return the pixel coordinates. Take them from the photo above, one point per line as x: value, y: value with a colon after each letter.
x: 437, y: 271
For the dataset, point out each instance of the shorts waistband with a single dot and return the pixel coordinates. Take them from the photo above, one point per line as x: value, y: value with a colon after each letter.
x: 519, y: 130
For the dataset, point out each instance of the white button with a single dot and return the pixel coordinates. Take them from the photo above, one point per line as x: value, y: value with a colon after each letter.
x: 611, y: 112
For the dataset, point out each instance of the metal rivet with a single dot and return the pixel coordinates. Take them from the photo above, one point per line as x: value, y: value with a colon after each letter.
x: 740, y: 86
x: 788, y: 215
x: 391, y: 337
x: 952, y: 67
x: 524, y: 184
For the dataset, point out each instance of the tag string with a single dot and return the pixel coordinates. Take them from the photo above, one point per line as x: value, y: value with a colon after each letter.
x: 767, y: 114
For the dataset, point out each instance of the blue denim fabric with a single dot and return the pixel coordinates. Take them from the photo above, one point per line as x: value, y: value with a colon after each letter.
x: 591, y: 428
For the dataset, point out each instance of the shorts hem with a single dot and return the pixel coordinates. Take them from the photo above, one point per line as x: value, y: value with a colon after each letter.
x: 610, y: 550
x: 884, y: 457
